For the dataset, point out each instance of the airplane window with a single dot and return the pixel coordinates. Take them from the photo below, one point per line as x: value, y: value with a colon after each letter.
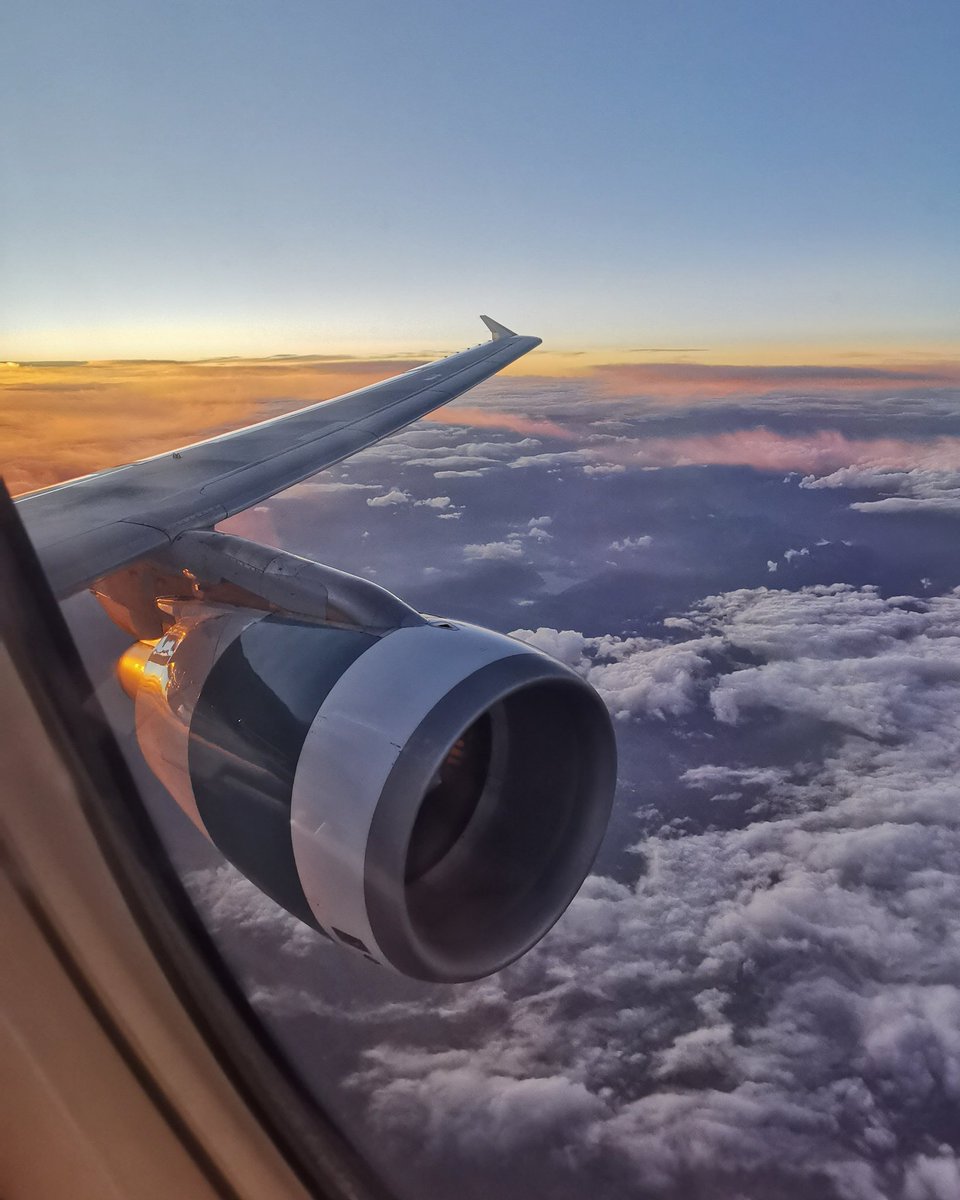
x: 556, y: 741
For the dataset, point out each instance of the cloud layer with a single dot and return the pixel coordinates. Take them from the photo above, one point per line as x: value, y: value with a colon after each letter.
x: 769, y: 1005
x: 771, y: 1008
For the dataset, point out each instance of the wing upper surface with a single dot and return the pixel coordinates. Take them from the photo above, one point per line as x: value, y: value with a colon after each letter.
x: 88, y: 527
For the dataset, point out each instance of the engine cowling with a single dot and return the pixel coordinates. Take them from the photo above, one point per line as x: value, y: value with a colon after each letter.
x: 432, y: 796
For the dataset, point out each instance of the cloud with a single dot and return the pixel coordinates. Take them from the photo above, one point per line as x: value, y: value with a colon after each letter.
x: 917, y: 490
x: 394, y: 496
x: 228, y: 900
x: 932, y: 1177
x: 632, y: 543
x: 317, y: 487
x: 480, y: 1113
x: 470, y: 455
x: 499, y: 449
x: 767, y: 450
x: 764, y: 449
x: 550, y: 459
x: 454, y: 462
x: 722, y: 777
x: 906, y: 504
x: 428, y: 437
x: 537, y: 529
x: 772, y: 1009
x: 433, y: 502
x: 604, y: 469
x: 511, y: 551
x: 634, y: 676
x: 486, y: 418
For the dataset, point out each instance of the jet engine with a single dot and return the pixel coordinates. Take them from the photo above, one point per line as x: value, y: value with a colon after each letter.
x: 431, y: 795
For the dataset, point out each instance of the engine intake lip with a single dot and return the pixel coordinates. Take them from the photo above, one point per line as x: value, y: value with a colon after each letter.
x: 510, y: 873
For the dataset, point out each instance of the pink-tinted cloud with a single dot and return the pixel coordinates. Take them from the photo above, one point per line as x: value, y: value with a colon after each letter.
x: 820, y: 450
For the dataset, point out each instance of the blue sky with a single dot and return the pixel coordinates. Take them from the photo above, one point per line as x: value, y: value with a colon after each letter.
x: 241, y: 177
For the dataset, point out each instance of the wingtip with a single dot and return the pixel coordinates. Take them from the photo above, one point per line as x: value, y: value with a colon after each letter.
x: 499, y: 331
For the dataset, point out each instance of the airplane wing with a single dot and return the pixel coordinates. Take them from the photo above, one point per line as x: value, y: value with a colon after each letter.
x: 425, y: 792
x: 86, y: 528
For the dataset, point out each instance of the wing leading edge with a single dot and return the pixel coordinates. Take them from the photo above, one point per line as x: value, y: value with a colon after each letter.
x: 89, y: 527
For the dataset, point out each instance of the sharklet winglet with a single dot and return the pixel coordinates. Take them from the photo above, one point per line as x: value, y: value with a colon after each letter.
x: 499, y: 331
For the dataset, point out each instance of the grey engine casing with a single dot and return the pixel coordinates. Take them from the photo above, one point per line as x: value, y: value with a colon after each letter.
x: 432, y: 796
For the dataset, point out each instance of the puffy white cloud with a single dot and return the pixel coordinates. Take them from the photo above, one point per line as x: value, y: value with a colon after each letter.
x: 873, y: 696
x: 772, y: 565
x: 634, y: 676
x: 566, y: 645
x: 790, y: 555
x: 920, y: 489
x: 394, y: 496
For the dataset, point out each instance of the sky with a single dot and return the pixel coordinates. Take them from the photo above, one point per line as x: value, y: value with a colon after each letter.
x: 745, y: 181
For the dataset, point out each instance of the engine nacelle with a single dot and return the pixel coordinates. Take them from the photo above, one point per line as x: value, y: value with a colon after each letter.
x: 432, y: 796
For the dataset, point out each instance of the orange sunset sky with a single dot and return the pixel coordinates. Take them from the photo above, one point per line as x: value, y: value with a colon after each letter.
x: 60, y: 420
